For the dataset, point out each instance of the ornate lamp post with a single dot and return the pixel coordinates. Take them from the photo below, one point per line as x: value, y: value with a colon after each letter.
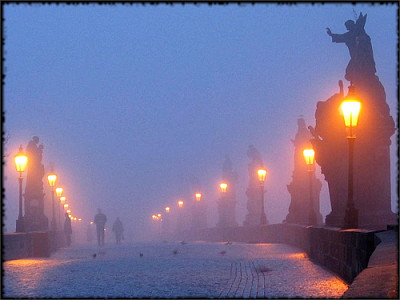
x: 309, y: 158
x: 21, y: 161
x: 52, y: 181
x: 350, y: 108
x: 59, y: 191
x: 261, y: 177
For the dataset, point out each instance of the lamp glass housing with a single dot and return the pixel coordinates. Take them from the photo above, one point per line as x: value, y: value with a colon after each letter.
x: 198, y: 197
x: 309, y: 156
x: 223, y: 187
x: 261, y: 174
x: 52, y: 179
x: 21, y: 161
x: 351, y: 110
x: 59, y: 191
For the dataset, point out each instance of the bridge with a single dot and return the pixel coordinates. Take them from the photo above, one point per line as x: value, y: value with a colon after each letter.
x: 365, y: 260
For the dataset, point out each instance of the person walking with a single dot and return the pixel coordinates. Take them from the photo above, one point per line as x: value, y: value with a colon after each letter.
x: 67, y: 230
x: 118, y: 230
x: 100, y: 220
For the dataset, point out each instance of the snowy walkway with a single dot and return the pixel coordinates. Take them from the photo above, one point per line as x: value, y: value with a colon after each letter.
x: 170, y: 270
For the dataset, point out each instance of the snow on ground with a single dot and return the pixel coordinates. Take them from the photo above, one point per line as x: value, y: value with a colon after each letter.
x: 170, y: 270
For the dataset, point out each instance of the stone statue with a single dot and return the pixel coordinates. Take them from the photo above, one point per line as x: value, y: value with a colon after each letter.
x: 227, y: 202
x: 299, y: 190
x: 254, y: 197
x: 360, y: 48
x: 371, y: 189
x: 34, y: 197
x: 34, y: 183
x: 256, y: 163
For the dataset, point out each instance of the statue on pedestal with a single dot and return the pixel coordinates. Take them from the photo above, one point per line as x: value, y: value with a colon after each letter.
x: 372, y: 197
x: 254, y: 196
x: 227, y: 202
x: 34, y: 218
x: 299, y: 189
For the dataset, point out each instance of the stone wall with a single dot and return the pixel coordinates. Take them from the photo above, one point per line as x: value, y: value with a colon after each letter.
x: 30, y: 244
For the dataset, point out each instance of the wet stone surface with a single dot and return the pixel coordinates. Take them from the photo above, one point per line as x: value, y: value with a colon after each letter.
x: 143, y: 270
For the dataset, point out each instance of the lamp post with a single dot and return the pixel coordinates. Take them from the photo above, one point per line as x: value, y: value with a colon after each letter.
x: 167, y: 209
x: 309, y: 158
x: 261, y: 177
x: 59, y: 191
x: 350, y: 108
x: 52, y: 181
x: 21, y: 161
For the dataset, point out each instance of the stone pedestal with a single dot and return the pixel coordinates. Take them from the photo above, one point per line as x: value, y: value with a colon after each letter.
x: 299, y: 188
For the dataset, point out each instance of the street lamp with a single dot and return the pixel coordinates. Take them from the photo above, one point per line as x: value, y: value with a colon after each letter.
x: 66, y: 205
x: 59, y: 191
x: 180, y: 204
x: 261, y: 177
x: 167, y: 209
x: 52, y: 181
x: 309, y: 158
x: 350, y: 108
x: 21, y: 161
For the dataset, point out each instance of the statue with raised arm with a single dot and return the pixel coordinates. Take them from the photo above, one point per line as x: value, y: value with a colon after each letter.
x: 359, y: 43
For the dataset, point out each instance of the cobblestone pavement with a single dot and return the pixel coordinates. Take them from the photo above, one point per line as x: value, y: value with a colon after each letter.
x: 169, y: 270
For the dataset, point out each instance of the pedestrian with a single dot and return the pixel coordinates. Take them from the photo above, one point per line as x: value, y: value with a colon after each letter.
x: 67, y: 230
x: 100, y: 220
x: 118, y: 230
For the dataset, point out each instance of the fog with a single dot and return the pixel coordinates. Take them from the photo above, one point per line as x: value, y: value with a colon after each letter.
x: 138, y: 104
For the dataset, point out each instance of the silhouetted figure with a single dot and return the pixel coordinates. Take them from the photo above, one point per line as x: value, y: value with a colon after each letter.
x: 118, y: 230
x: 67, y: 230
x: 100, y: 220
x: 360, y: 48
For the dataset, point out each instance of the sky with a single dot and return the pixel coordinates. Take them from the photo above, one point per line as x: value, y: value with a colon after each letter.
x: 134, y: 102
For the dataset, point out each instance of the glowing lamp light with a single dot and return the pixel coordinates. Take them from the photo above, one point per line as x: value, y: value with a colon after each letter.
x: 154, y: 217
x: 309, y: 156
x: 20, y: 160
x: 52, y: 179
x: 68, y: 210
x: 63, y: 199
x: 66, y: 205
x: 91, y: 223
x: 80, y: 219
x: 180, y: 204
x: 223, y: 187
x: 261, y: 174
x: 59, y: 191
x: 159, y: 215
x: 167, y: 209
x: 69, y: 216
x: 350, y: 110
x: 198, y: 197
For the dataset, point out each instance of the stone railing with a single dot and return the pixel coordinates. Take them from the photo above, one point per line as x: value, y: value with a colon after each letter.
x: 30, y: 244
